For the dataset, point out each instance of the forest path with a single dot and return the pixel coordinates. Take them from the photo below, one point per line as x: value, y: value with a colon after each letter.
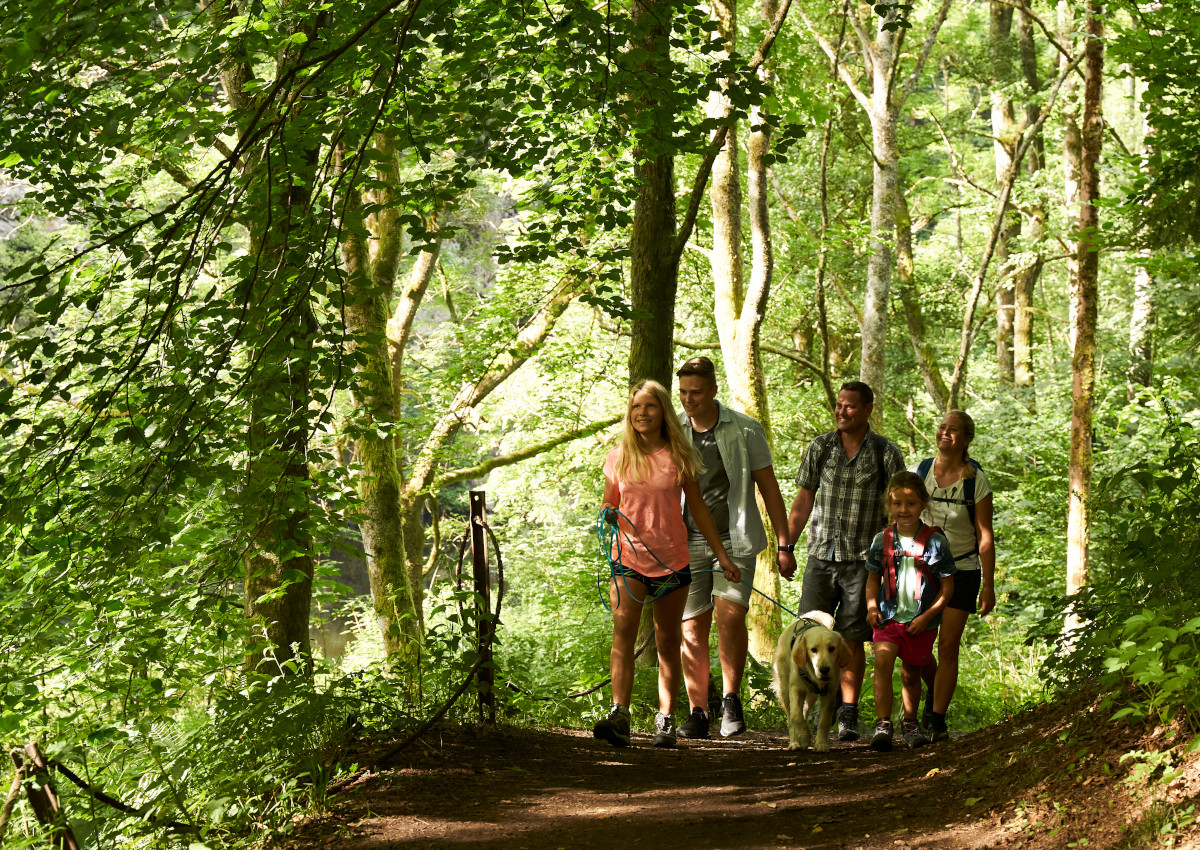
x: 1037, y: 781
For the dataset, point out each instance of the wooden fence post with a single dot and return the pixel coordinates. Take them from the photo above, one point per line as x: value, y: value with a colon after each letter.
x: 43, y: 799
x: 483, y: 606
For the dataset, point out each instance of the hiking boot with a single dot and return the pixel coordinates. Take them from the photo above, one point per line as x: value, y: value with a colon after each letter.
x: 664, y: 730
x: 912, y: 734
x: 696, y: 725
x: 732, y: 721
x: 847, y: 718
x: 881, y: 741
x: 927, y: 716
x: 614, y: 728
x: 937, y: 728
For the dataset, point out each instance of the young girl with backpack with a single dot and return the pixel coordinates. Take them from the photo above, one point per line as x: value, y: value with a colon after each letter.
x: 910, y: 578
x: 961, y: 505
x: 643, y: 479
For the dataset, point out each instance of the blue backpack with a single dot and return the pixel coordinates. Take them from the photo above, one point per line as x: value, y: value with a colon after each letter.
x: 968, y: 495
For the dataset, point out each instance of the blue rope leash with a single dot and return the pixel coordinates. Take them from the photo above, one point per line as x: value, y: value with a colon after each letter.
x: 612, y: 541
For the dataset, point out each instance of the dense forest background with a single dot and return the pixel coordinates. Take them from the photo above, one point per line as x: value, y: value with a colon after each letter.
x: 282, y: 281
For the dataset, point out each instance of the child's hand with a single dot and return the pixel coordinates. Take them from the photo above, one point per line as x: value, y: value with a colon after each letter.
x: 918, y: 624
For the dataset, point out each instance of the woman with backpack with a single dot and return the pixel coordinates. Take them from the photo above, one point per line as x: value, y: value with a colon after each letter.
x: 961, y: 506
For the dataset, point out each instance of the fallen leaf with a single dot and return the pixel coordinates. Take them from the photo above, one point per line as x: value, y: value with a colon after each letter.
x: 782, y: 837
x: 933, y: 772
x: 773, y: 805
x: 970, y: 801
x: 817, y: 829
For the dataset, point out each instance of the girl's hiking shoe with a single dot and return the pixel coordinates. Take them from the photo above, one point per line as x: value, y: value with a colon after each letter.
x: 912, y: 734
x: 881, y: 741
x: 847, y: 720
x: 696, y: 725
x: 614, y: 728
x: 664, y: 730
x: 732, y: 720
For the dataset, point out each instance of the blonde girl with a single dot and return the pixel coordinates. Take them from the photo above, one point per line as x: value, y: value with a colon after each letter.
x: 972, y: 543
x: 652, y: 464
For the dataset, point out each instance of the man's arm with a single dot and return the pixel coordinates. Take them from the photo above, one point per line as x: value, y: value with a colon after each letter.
x: 801, y: 511
x: 768, y: 486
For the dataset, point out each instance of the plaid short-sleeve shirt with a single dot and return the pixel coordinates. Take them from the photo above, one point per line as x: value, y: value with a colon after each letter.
x: 847, y: 510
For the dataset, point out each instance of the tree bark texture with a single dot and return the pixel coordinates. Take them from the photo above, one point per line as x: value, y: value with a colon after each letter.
x: 906, y: 285
x: 1005, y: 132
x: 1026, y: 277
x: 1072, y: 142
x: 1141, y: 326
x: 1084, y: 297
x: 369, y: 285
x: 654, y: 267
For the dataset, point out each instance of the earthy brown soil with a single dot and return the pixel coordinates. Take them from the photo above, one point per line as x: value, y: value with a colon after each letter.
x: 1049, y: 778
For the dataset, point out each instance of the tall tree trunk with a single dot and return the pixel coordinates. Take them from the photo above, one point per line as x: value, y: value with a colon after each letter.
x: 1084, y: 297
x: 1141, y: 326
x: 369, y: 286
x: 1004, y: 132
x: 1072, y: 142
x: 1026, y: 278
x: 278, y: 560
x: 654, y: 267
x: 882, y: 107
x: 931, y: 373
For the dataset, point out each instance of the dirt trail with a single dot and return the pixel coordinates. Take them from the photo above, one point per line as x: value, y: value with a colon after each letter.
x: 1046, y: 779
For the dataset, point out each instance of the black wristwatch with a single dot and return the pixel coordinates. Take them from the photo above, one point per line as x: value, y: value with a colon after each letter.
x: 788, y: 547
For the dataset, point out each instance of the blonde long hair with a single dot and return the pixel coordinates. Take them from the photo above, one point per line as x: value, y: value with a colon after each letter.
x: 968, y: 426
x: 632, y: 460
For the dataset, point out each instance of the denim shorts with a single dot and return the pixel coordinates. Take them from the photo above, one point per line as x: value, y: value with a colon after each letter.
x: 656, y: 586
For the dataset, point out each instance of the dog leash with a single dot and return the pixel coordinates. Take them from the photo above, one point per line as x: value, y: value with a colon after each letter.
x: 610, y: 538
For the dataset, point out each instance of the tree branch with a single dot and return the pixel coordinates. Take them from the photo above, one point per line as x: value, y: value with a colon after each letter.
x: 469, y: 473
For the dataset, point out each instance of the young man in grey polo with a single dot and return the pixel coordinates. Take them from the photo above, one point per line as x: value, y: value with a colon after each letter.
x: 736, y: 458
x: 841, y: 479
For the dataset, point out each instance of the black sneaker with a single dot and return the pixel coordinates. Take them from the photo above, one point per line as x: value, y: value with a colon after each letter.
x: 847, y: 718
x: 937, y: 729
x: 912, y: 734
x: 696, y: 725
x: 664, y: 730
x: 881, y: 741
x: 732, y: 721
x: 927, y: 718
x: 614, y: 728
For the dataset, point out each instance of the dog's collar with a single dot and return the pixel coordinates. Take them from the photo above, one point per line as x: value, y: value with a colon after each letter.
x: 802, y: 669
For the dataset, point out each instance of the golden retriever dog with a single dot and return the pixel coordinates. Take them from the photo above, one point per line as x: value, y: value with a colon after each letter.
x: 808, y: 666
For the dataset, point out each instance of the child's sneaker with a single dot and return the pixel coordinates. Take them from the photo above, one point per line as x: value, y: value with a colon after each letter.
x: 912, y: 734
x: 733, y: 722
x: 664, y: 730
x: 881, y: 741
x: 847, y: 718
x: 614, y: 728
x: 696, y: 725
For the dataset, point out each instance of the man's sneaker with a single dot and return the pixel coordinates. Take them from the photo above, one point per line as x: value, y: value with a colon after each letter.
x: 881, y: 741
x: 912, y: 734
x: 732, y: 721
x: 664, y: 730
x: 614, y: 728
x: 937, y: 729
x: 696, y: 725
x: 847, y: 718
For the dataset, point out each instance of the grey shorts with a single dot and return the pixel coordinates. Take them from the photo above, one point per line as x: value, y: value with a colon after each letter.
x: 838, y: 588
x: 707, y: 584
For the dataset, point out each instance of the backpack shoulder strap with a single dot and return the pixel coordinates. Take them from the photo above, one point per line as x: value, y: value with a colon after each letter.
x: 826, y: 448
x: 923, y: 468
x: 889, y: 562
x: 969, y: 494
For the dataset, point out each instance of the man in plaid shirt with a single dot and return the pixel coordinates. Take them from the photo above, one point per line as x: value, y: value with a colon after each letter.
x: 841, y: 480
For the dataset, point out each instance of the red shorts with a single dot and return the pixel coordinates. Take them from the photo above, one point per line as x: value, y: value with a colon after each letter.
x: 914, y: 649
